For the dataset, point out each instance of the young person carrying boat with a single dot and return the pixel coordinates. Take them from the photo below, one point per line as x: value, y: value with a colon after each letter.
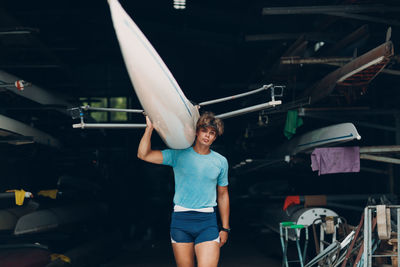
x: 201, y: 181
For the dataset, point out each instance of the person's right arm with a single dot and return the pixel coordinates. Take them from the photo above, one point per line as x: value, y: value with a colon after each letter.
x: 144, y: 150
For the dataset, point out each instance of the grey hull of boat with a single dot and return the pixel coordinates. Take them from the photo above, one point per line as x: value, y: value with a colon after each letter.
x: 327, y: 136
x: 49, y: 219
x: 9, y: 217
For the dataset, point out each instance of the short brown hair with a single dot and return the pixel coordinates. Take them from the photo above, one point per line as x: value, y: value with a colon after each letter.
x: 208, y: 119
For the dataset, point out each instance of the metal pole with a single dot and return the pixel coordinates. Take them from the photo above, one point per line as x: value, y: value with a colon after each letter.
x: 12, y: 195
x: 298, y: 246
x: 242, y: 111
x: 83, y: 125
x: 321, y: 237
x: 112, y: 109
x: 305, y: 246
x: 398, y: 237
x: 366, y: 227
x: 284, y: 259
x: 265, y: 87
x: 369, y: 248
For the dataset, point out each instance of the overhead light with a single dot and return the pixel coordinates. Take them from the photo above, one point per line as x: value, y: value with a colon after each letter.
x: 179, y: 4
x: 249, y: 160
x: 318, y: 45
x: 236, y: 166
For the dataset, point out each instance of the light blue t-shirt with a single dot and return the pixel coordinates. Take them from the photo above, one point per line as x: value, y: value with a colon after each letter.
x: 196, y: 176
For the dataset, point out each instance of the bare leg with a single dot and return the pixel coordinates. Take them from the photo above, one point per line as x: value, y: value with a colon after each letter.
x: 207, y: 254
x: 184, y: 254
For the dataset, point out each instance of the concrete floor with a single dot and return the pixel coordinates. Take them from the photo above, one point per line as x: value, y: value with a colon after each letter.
x: 238, y: 252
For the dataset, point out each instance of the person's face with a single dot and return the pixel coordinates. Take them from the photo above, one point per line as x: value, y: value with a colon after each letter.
x: 206, y: 135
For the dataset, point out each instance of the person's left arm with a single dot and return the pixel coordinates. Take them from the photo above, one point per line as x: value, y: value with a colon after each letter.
x: 224, y: 209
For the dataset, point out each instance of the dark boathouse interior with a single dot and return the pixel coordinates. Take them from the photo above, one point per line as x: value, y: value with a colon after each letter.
x: 313, y: 178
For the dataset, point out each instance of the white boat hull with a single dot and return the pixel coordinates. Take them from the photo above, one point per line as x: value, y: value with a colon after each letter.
x: 327, y: 136
x: 172, y: 114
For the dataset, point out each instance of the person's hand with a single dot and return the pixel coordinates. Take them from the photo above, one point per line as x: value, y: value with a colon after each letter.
x: 149, y: 124
x: 223, y: 236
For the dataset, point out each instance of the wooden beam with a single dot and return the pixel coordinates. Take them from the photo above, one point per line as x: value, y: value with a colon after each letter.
x: 311, y: 60
x: 356, y: 35
x: 291, y: 10
x: 379, y: 149
x: 366, y: 18
x: 380, y: 158
x: 313, y: 36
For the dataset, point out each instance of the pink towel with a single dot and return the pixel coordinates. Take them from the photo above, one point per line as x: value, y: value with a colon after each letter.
x: 335, y: 160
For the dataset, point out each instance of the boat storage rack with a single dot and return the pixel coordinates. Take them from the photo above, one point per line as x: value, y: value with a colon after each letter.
x: 383, y: 214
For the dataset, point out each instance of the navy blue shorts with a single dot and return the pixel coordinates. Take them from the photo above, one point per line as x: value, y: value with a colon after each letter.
x: 193, y: 226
